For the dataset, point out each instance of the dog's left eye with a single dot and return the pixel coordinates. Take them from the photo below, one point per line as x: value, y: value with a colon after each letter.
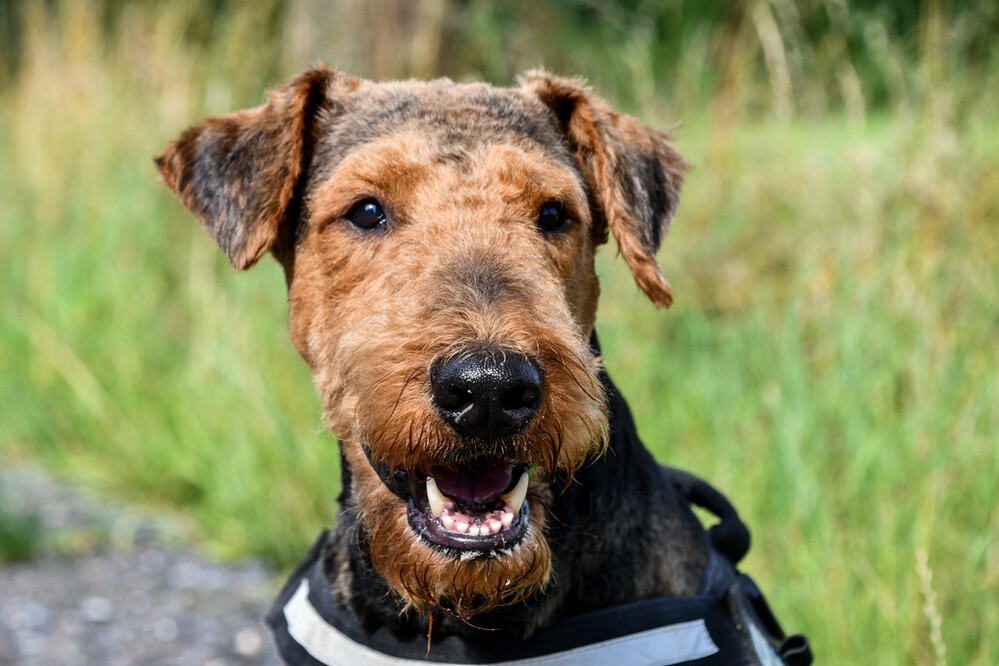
x: 367, y: 215
x: 551, y: 217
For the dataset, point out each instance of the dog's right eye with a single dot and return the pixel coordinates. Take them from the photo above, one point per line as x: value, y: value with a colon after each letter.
x: 552, y: 217
x: 367, y: 215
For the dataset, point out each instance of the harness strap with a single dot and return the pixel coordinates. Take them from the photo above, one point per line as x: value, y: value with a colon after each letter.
x: 730, y: 535
x: 716, y: 627
x: 326, y: 644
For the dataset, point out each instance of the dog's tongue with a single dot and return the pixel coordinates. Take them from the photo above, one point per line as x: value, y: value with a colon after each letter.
x: 473, y: 486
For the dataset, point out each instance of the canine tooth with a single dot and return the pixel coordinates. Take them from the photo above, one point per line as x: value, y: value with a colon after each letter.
x: 434, y: 496
x: 473, y: 530
x: 447, y: 521
x: 507, y: 518
x: 461, y: 526
x: 496, y: 525
x: 515, y: 498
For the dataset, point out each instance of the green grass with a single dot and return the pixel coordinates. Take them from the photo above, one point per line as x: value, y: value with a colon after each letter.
x: 20, y: 535
x: 830, y: 362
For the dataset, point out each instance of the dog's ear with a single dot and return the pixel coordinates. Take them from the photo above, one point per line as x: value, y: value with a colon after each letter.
x: 632, y: 170
x: 238, y: 173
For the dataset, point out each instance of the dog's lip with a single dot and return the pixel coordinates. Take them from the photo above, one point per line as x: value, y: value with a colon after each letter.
x: 431, y: 529
x: 491, y: 502
x: 480, y: 499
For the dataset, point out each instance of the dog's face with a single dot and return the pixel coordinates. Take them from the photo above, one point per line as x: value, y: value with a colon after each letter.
x: 438, y: 243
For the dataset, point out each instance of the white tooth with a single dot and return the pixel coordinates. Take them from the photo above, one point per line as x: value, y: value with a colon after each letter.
x: 461, y: 526
x: 515, y: 498
x: 447, y: 521
x: 473, y: 530
x: 507, y: 518
x: 496, y: 525
x: 434, y: 496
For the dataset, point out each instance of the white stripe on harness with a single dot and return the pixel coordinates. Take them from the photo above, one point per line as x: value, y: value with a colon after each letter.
x: 764, y: 648
x: 672, y: 644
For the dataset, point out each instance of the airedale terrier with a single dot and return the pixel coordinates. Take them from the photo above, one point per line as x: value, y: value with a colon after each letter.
x: 438, y: 244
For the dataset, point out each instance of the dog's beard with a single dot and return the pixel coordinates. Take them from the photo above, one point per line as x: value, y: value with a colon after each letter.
x: 427, y: 577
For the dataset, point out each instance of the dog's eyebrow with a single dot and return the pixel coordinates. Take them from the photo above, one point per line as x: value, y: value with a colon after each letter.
x: 389, y: 166
x: 461, y: 115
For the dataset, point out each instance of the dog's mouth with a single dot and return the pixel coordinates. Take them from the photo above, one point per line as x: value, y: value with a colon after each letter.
x: 480, y: 508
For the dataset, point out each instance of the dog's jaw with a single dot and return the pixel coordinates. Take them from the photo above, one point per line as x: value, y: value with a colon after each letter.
x: 422, y: 575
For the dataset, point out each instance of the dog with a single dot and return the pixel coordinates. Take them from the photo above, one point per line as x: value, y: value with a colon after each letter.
x: 438, y: 244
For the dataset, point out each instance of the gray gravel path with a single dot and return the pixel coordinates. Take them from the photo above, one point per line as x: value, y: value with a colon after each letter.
x: 109, y: 585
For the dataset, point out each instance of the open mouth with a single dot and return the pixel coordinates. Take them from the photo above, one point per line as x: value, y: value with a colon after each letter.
x: 480, y: 508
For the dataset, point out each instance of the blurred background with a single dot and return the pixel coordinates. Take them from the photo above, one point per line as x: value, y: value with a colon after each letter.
x: 830, y: 362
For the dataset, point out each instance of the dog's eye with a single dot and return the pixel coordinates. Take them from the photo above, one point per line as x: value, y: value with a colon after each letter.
x: 367, y: 215
x: 551, y: 217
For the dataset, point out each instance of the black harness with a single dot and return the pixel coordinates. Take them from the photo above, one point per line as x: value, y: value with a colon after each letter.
x: 727, y: 622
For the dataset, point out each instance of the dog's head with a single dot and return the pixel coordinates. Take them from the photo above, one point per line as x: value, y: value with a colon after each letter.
x: 438, y: 243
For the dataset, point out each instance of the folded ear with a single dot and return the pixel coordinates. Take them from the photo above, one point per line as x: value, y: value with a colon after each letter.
x: 238, y: 173
x: 634, y: 173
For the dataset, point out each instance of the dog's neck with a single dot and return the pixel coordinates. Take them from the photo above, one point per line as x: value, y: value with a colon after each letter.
x: 619, y: 533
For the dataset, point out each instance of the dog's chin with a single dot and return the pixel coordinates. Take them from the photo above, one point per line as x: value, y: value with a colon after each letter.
x: 469, y: 575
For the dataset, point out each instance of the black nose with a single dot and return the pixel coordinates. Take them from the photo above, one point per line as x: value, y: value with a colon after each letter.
x: 488, y: 393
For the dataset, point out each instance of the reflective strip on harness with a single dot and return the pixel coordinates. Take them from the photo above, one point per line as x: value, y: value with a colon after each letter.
x: 763, y: 647
x: 673, y: 644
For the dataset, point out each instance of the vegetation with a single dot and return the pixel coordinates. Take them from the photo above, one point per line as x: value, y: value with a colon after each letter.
x: 830, y: 362
x: 19, y: 536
